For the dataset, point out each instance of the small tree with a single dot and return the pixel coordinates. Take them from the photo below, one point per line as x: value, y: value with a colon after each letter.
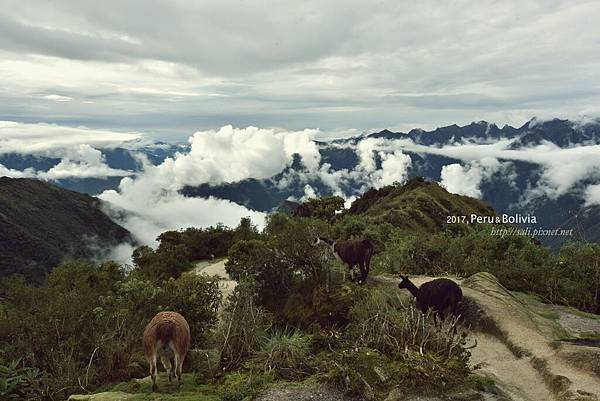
x: 162, y: 264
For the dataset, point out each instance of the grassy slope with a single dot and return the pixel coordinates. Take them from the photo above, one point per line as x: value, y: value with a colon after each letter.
x: 41, y: 224
x: 418, y: 206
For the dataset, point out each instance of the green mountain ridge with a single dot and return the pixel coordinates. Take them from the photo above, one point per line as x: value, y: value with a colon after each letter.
x: 42, y: 225
x: 419, y: 206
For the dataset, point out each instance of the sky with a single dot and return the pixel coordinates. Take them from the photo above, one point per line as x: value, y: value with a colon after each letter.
x: 167, y: 69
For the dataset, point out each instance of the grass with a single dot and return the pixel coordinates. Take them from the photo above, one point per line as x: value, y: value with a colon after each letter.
x: 234, y: 386
x: 583, y: 314
x: 285, y: 354
x: 484, y: 383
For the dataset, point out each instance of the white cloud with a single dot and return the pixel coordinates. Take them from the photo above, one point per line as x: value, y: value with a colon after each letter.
x: 55, y: 140
x: 82, y: 161
x: 462, y: 180
x: 58, y: 98
x: 394, y: 164
x: 562, y: 167
x: 394, y: 168
x: 365, y: 150
x: 76, y: 147
x: 467, y: 179
x: 592, y: 195
x: 309, y: 193
x: 8, y: 172
x: 216, y: 156
x: 146, y: 218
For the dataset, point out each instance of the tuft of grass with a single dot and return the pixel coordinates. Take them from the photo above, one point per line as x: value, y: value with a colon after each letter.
x: 558, y: 384
x: 285, y: 354
x: 242, y: 328
x: 382, y: 321
x: 585, y: 360
x: 484, y: 383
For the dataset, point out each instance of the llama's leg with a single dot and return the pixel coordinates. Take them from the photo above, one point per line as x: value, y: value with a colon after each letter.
x: 363, y: 273
x: 153, y: 371
x: 354, y: 275
x: 350, y: 272
x: 166, y: 362
x: 180, y: 368
x: 178, y: 364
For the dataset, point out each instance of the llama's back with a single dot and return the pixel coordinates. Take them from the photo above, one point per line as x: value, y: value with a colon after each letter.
x: 164, y: 328
x: 440, y: 294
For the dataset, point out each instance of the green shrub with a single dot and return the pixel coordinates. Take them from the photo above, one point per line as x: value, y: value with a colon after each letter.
x: 242, y: 327
x: 286, y: 354
x: 161, y: 264
x: 284, y: 266
x: 84, y: 326
x: 197, y: 298
x: 18, y: 382
x: 380, y: 320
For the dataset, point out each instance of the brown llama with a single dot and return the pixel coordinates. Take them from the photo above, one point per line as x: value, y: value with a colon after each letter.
x: 167, y: 334
x: 351, y: 253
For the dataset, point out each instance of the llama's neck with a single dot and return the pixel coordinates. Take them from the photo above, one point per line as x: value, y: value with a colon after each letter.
x: 412, y: 288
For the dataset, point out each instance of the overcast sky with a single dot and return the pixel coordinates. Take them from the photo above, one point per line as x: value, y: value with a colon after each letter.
x: 170, y: 68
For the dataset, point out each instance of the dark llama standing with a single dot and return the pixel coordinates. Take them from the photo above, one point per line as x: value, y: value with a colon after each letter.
x: 351, y: 253
x: 440, y: 295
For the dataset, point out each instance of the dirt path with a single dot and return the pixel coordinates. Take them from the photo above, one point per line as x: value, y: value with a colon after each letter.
x: 216, y: 268
x: 528, y: 331
x: 514, y: 376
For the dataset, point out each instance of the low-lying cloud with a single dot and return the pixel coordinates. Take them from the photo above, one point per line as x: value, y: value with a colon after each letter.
x: 54, y: 140
x: 152, y: 199
x: 77, y: 148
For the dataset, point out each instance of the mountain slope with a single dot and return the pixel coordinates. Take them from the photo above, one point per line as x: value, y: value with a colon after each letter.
x: 42, y: 225
x: 419, y: 205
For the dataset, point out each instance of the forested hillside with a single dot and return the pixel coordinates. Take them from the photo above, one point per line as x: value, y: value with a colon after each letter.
x: 42, y: 225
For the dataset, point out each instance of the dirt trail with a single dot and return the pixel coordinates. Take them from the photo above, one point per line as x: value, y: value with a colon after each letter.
x: 528, y: 331
x: 216, y: 268
x: 516, y: 377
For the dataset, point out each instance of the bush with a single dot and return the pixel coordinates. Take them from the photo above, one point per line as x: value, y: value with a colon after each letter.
x: 284, y: 265
x: 206, y: 243
x: 84, y: 326
x: 161, y: 264
x: 18, y: 382
x: 381, y: 321
x: 286, y: 354
x: 243, y: 326
x: 198, y: 299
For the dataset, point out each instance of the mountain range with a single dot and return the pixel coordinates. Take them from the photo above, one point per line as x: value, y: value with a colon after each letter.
x: 511, y: 184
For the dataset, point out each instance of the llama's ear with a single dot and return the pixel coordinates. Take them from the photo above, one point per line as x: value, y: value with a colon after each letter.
x: 403, y: 277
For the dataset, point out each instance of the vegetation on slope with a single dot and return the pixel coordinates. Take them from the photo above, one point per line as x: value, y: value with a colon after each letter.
x: 41, y: 225
x: 292, y: 317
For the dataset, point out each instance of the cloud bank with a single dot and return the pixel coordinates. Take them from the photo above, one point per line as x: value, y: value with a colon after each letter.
x: 53, y: 140
x: 152, y: 199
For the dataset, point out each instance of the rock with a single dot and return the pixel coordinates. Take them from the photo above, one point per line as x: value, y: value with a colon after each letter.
x: 108, y: 396
x: 395, y: 395
x: 468, y: 395
x: 368, y: 392
x: 383, y: 377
